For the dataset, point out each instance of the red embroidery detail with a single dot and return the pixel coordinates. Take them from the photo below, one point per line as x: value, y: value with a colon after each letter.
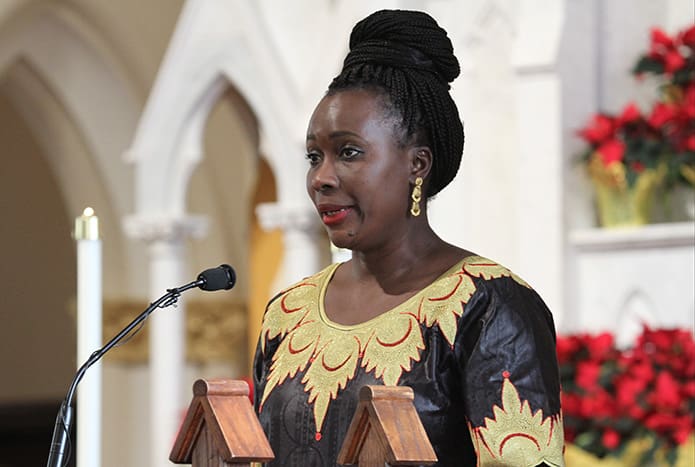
x: 481, y: 264
x: 399, y: 341
x: 450, y: 294
x: 362, y: 349
x: 552, y: 428
x: 284, y: 307
x: 418, y: 316
x: 506, y: 374
x: 522, y: 435
x: 317, y: 437
x: 360, y: 353
x: 482, y: 438
x: 334, y: 368
x: 294, y: 351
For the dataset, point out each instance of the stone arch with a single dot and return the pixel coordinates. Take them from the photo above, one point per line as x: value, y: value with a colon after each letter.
x: 89, y: 103
x: 215, y: 47
x: 38, y: 262
x: 169, y: 140
x: 208, y: 53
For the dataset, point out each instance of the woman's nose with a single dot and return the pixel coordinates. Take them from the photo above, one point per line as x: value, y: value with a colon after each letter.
x: 324, y: 175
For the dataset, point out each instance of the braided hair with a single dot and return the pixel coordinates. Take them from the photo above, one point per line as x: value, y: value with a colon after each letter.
x: 408, y: 58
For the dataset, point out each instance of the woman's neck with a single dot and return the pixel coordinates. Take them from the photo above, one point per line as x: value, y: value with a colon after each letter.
x: 404, y: 262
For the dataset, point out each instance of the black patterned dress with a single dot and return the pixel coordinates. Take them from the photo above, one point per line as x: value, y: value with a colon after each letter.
x: 477, y: 347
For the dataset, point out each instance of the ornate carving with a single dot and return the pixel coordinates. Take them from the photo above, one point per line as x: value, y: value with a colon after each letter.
x: 165, y: 228
x: 215, y: 331
x: 116, y: 314
x: 288, y: 217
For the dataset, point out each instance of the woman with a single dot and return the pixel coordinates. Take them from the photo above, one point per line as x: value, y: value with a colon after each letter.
x: 474, y: 342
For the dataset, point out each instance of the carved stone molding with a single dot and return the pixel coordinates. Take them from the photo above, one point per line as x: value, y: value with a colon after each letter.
x: 625, y: 278
x: 287, y: 217
x: 165, y: 228
x: 215, y: 331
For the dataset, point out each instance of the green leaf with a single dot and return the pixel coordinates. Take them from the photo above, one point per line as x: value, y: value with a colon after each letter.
x: 625, y: 425
x: 672, y: 456
x: 683, y: 76
x: 648, y: 65
x: 631, y: 177
x: 649, y: 454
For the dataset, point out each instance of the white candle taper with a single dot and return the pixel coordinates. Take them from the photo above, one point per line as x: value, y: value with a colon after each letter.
x: 89, y: 336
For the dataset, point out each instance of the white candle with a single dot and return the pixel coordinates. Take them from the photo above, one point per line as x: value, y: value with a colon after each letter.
x: 89, y: 338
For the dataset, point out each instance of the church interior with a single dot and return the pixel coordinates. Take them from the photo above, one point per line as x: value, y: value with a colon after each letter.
x: 182, y: 124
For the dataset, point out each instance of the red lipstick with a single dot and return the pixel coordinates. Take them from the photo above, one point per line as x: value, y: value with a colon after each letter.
x: 332, y: 215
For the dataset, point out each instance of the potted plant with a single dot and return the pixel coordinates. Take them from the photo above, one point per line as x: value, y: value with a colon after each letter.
x: 628, y: 407
x: 632, y: 156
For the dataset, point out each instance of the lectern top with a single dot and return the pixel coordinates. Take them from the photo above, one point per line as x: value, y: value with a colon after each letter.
x: 220, y: 387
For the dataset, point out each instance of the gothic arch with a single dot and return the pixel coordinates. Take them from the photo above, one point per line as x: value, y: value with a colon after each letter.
x: 88, y: 105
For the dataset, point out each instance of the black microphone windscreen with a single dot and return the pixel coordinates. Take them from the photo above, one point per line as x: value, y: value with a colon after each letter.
x: 222, y: 277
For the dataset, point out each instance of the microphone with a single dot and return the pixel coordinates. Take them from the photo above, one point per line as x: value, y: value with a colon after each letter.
x: 222, y: 277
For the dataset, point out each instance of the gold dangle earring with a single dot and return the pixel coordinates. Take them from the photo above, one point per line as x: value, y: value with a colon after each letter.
x: 416, y: 196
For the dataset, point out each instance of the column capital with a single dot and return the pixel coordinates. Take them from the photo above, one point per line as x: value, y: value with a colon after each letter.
x: 287, y: 217
x: 164, y: 228
x: 303, y: 251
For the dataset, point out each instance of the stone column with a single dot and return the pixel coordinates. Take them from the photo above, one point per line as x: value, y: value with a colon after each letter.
x: 540, y: 198
x: 305, y: 249
x: 165, y: 238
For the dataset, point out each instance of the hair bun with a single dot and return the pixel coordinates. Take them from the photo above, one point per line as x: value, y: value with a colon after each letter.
x: 412, y: 29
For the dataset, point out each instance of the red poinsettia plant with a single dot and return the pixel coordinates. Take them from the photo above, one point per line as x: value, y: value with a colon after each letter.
x: 611, y: 397
x: 669, y: 56
x: 632, y: 141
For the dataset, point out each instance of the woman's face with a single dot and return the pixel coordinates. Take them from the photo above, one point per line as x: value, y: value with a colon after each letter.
x: 359, y: 175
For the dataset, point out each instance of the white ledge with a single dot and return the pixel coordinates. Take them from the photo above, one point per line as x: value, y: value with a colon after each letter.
x: 649, y: 236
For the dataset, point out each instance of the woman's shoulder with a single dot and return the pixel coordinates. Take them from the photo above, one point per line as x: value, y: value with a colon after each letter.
x: 481, y: 270
x: 502, y: 295
x: 491, y: 285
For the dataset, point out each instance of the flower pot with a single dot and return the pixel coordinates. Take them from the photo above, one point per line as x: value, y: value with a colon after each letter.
x: 679, y: 204
x: 632, y: 456
x: 621, y: 204
x: 577, y: 457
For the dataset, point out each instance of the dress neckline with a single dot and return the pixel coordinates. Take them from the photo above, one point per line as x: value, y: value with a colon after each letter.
x: 330, y: 272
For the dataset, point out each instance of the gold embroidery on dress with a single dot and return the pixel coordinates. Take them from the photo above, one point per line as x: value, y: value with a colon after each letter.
x: 516, y: 436
x: 388, y: 344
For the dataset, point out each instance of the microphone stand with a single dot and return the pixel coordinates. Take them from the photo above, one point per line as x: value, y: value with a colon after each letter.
x: 61, y: 430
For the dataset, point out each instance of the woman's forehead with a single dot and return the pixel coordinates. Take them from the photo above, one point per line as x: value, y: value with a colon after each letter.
x: 350, y: 110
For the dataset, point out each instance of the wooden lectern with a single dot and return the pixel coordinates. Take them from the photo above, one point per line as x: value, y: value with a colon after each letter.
x: 386, y: 429
x: 220, y: 428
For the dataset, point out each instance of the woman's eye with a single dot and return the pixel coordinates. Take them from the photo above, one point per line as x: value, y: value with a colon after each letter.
x: 313, y: 158
x: 350, y: 153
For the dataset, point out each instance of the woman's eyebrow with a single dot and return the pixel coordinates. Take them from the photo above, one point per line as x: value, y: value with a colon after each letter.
x: 334, y: 135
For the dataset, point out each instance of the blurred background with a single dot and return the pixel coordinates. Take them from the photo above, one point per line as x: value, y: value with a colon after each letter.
x: 182, y: 124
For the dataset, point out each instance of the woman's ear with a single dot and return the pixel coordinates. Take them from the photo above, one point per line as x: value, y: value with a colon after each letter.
x: 420, y: 162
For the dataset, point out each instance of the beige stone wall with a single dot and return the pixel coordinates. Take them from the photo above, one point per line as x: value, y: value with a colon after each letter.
x: 50, y: 168
x: 37, y: 336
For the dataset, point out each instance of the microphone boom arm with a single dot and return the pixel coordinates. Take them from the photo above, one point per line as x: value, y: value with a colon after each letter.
x: 61, y: 429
